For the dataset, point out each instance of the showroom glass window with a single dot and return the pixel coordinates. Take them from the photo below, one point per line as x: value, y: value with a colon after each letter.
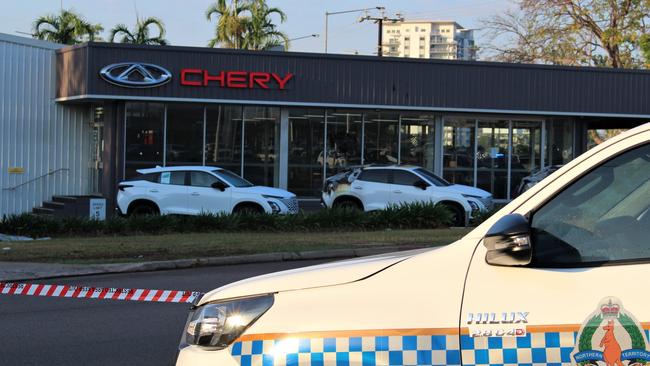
x: 184, y: 134
x: 261, y: 145
x: 604, y: 216
x: 144, y: 130
x: 223, y: 136
x: 343, y: 140
x: 380, y: 138
x: 458, y: 144
x: 306, y: 129
x: 559, y: 139
x: 526, y: 151
x: 416, y: 139
x: 492, y: 157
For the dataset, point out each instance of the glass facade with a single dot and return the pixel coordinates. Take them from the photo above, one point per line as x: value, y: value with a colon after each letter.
x: 417, y: 143
x: 493, y: 154
x: 306, y: 142
x: 459, y: 140
x: 144, y: 132
x: 310, y: 144
x: 184, y: 142
x: 223, y: 133
x: 261, y: 145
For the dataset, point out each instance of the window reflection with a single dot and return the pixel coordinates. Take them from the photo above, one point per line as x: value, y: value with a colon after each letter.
x: 184, y: 134
x: 261, y: 152
x: 458, y: 159
x: 223, y: 136
x: 380, y: 138
x: 144, y: 136
x: 492, y: 157
x: 343, y: 141
x: 526, y: 151
x: 306, y: 129
x: 416, y: 140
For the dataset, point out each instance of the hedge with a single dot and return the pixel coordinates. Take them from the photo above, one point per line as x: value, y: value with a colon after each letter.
x: 410, y: 216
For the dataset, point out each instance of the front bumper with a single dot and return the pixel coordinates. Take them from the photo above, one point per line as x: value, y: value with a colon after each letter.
x: 193, y: 356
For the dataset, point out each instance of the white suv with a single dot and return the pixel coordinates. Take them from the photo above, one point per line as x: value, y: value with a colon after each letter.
x: 376, y: 187
x: 192, y: 190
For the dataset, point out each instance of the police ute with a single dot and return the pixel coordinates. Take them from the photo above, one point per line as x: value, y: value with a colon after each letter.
x: 556, y: 277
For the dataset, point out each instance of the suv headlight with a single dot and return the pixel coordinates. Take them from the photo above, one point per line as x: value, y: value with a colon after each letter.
x: 215, y: 326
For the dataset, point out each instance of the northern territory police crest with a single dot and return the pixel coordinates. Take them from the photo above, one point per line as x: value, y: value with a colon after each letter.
x: 611, y: 336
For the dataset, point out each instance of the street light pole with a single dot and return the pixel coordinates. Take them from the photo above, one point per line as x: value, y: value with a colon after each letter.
x: 327, y: 14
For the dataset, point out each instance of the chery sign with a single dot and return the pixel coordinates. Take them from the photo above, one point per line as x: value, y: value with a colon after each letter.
x: 235, y: 79
x: 145, y: 75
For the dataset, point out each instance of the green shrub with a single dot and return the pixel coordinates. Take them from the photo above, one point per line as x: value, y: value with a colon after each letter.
x: 409, y: 216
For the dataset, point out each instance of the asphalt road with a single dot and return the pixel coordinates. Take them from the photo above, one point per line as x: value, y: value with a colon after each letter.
x: 59, y: 331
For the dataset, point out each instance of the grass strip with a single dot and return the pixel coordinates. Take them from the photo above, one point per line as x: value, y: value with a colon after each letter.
x: 140, y: 248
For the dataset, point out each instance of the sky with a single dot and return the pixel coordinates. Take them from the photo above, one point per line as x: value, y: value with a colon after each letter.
x: 187, y: 26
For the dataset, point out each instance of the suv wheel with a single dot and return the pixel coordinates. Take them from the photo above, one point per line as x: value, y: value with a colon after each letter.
x: 458, y: 214
x: 248, y: 209
x: 347, y: 204
x: 143, y: 208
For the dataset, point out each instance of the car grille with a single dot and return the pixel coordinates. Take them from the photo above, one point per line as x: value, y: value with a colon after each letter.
x: 292, y: 204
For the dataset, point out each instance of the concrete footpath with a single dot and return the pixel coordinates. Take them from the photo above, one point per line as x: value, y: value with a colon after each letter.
x: 21, y: 271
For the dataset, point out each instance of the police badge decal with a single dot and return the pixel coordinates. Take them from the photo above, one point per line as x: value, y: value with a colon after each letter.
x: 611, y: 336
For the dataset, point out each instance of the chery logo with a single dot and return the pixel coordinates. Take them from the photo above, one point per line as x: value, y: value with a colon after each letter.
x: 235, y: 79
x: 135, y: 75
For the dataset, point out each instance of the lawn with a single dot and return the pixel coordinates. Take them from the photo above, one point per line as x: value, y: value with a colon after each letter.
x: 178, y: 246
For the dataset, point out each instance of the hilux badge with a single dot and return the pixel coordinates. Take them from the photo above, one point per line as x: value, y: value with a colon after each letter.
x: 505, y: 324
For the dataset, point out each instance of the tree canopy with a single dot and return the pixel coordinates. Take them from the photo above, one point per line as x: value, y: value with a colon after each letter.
x: 140, y: 34
x: 67, y: 27
x: 246, y: 24
x: 610, y: 33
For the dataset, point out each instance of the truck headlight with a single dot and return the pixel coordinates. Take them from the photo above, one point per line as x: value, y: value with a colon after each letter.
x: 215, y: 326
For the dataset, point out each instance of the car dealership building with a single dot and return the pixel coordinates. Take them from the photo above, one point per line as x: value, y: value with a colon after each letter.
x: 76, y: 120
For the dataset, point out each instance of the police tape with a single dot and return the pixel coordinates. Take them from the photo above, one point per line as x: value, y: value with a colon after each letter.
x: 102, y: 293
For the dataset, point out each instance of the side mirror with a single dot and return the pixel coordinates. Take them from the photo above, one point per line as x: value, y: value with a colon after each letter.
x: 219, y: 185
x: 508, y: 242
x: 421, y: 184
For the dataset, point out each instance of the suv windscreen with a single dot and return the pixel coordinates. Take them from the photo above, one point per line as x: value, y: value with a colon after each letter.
x: 432, y: 178
x: 374, y: 175
x: 232, y: 178
x: 604, y: 216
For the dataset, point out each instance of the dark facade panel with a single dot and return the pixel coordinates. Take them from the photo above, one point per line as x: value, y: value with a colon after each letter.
x: 368, y: 81
x: 72, y: 71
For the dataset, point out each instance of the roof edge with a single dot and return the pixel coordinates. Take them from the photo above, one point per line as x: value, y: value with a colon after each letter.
x: 10, y: 38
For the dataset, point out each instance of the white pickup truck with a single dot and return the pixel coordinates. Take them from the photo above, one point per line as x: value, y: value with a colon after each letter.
x: 554, y: 278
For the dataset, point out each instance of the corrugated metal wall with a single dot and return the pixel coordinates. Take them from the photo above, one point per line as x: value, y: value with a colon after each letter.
x: 37, y: 134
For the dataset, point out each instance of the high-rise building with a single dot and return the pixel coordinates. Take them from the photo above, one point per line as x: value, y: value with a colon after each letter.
x: 428, y: 39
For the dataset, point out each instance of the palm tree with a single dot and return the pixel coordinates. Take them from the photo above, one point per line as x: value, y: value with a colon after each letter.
x: 67, y: 27
x: 262, y: 33
x: 231, y: 24
x: 140, y: 34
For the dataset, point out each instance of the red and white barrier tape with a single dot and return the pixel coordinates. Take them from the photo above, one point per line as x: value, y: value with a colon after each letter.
x: 104, y: 293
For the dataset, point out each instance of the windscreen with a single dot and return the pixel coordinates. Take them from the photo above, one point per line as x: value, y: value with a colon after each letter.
x: 232, y: 178
x: 432, y: 178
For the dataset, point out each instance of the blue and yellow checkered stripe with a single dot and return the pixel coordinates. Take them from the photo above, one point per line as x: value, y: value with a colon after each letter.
x: 348, y: 351
x: 534, y: 349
